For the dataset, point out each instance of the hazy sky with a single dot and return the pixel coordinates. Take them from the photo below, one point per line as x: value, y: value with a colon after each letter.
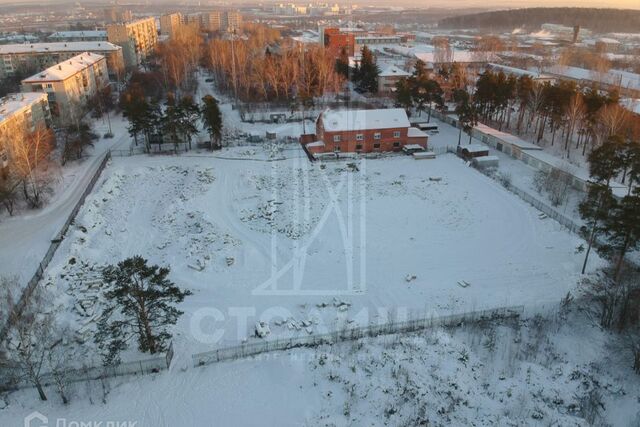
x: 506, y: 4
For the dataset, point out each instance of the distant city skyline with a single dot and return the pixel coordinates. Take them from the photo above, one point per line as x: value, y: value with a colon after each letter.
x: 451, y: 4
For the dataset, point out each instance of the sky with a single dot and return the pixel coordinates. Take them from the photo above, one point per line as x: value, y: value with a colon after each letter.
x: 456, y: 4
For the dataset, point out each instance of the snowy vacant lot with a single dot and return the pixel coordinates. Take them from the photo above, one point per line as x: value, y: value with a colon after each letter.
x: 311, y: 247
x: 555, y: 371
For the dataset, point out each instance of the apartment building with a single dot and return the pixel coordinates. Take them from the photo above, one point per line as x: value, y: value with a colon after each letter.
x: 15, y: 58
x: 71, y: 84
x: 221, y: 21
x: 170, y: 23
x: 79, y: 36
x: 116, y: 14
x: 137, y: 39
x: 232, y: 20
x: 21, y: 113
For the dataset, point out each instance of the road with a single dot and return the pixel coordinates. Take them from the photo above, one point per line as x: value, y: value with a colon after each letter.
x: 25, y: 238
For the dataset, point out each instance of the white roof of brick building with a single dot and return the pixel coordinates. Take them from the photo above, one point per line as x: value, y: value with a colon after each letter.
x: 65, y: 69
x: 393, y: 71
x: 84, y: 46
x: 13, y: 103
x: 347, y: 120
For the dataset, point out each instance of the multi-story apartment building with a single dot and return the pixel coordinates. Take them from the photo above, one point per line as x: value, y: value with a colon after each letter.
x: 221, y: 21
x: 231, y: 20
x: 115, y: 14
x: 20, y: 113
x: 170, y: 23
x: 16, y: 58
x: 137, y: 38
x: 211, y: 21
x: 71, y: 84
x: 79, y: 36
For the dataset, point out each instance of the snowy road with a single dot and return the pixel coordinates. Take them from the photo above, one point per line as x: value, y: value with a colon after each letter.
x: 25, y: 238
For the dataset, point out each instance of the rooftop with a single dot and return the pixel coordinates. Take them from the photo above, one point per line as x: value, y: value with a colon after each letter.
x: 58, y: 47
x: 65, y: 69
x: 620, y: 78
x: 459, y: 56
x: 392, y: 71
x: 13, y: 103
x: 78, y: 34
x: 347, y: 120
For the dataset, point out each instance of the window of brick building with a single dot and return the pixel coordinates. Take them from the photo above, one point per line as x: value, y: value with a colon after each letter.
x: 377, y: 135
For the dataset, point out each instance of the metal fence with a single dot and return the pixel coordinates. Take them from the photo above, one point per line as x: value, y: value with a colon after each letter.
x: 55, y: 243
x: 150, y: 365
x: 351, y: 334
x: 546, y: 209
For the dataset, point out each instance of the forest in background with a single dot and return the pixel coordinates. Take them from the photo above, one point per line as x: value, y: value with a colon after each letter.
x: 594, y: 19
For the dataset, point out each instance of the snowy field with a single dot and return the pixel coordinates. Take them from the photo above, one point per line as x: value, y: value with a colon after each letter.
x: 265, y: 235
x: 536, y: 372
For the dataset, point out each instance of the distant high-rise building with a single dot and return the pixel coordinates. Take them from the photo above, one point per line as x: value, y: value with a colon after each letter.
x: 221, y: 21
x: 170, y: 23
x: 211, y: 21
x: 137, y: 38
x: 232, y: 20
x: 115, y: 14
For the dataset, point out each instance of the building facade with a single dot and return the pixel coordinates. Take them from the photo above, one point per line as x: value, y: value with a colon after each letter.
x: 170, y: 23
x: 17, y: 58
x: 363, y: 131
x: 388, y: 78
x: 114, y: 15
x: 221, y: 21
x: 138, y: 39
x: 21, y: 113
x: 70, y: 85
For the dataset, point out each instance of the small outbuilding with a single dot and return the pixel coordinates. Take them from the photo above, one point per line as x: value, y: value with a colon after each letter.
x: 472, y: 151
x: 485, y: 162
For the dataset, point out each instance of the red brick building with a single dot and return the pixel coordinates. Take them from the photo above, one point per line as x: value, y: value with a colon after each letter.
x: 335, y: 41
x: 363, y: 131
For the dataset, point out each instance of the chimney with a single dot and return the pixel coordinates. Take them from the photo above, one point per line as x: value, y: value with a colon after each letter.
x: 60, y: 67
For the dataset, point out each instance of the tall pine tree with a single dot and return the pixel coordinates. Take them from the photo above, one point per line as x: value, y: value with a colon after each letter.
x: 140, y: 304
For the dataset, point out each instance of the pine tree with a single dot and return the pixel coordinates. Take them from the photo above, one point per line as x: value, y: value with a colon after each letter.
x: 171, y: 121
x: 594, y: 210
x: 342, y: 64
x: 212, y: 119
x: 403, y: 94
x: 190, y: 112
x: 366, y: 75
x: 624, y: 229
x: 140, y: 303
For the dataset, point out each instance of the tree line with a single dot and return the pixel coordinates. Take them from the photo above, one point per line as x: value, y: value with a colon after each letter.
x: 560, y: 113
x: 254, y: 68
x: 595, y: 19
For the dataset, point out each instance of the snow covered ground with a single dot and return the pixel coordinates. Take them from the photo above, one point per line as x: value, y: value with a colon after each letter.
x: 537, y: 372
x: 262, y: 234
x: 25, y: 238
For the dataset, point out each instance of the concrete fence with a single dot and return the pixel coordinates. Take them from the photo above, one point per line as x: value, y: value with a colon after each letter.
x: 351, y: 334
